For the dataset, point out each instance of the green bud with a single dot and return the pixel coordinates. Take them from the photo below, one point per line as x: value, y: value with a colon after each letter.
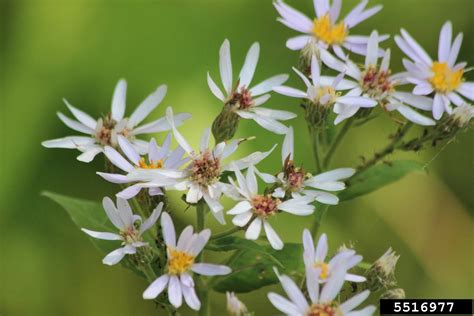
x: 381, y: 275
x: 225, y: 125
x: 316, y: 114
x: 394, y: 294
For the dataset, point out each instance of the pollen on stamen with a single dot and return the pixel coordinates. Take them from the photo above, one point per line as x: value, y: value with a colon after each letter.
x: 206, y: 169
x: 329, y: 33
x: 444, y: 78
x: 376, y: 83
x: 323, y: 310
x: 265, y: 205
x: 142, y: 163
x: 179, y: 262
x: 324, y: 267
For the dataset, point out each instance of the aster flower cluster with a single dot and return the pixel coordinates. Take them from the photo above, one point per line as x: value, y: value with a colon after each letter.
x: 335, y: 89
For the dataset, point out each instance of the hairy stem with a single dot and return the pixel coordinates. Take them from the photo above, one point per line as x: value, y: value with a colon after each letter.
x: 202, y: 290
x: 226, y: 233
x: 318, y: 219
x: 340, y: 135
x: 390, y: 148
x: 315, y: 144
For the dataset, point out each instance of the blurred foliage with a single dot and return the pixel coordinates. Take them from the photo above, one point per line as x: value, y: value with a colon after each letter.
x: 80, y: 48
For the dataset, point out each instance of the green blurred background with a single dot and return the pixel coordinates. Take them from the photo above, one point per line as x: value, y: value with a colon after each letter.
x: 80, y: 48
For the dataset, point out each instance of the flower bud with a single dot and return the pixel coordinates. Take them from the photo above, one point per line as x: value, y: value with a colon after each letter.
x: 394, y: 294
x: 310, y: 50
x: 225, y: 125
x: 462, y: 115
x: 382, y: 272
x: 234, y: 306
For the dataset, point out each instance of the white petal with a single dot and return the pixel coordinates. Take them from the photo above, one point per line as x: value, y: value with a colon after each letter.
x: 82, y: 117
x: 268, y: 84
x: 253, y: 231
x: 298, y: 42
x: 69, y: 142
x: 309, y: 249
x: 177, y: 135
x: 333, y: 285
x: 101, y: 235
x: 355, y: 278
x: 357, y: 101
x: 416, y: 47
x: 272, y: 236
x: 248, y: 69
x: 444, y: 46
x: 128, y: 150
x: 117, y: 159
x: 174, y: 292
x: 315, y: 70
x: 321, y: 248
x: 112, y: 213
x: 225, y: 66
x: 118, y: 100
x: 438, y: 107
x: 293, y: 18
x: 467, y: 90
x: 335, y: 10
x: 191, y: 298
x: 210, y: 269
x: 414, y: 116
x: 453, y: 55
x: 150, y: 221
x: 354, y: 301
x: 288, y: 147
x: 290, y: 92
x: 155, y: 288
x: 114, y: 178
x: 114, y: 257
x: 239, y: 208
x: 169, y: 234
x: 89, y: 154
x: 423, y: 89
x: 333, y: 175
x: 293, y: 292
x: 148, y: 105
x: 205, y: 138
x: 129, y: 192
x: 214, y: 88
x: 420, y: 102
x: 321, y: 7
x: 271, y: 125
x: 161, y: 125
x: 284, y: 305
x: 261, y: 100
x: 75, y: 125
x: 275, y: 114
x: 372, y: 50
x: 242, y: 219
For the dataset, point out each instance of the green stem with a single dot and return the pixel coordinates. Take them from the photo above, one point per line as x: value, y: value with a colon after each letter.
x: 315, y: 143
x: 340, y: 135
x: 390, y: 148
x: 226, y: 233
x: 203, y: 293
x: 317, y: 220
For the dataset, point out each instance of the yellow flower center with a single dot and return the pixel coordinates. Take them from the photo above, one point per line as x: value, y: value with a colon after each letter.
x: 324, y: 274
x: 325, y: 31
x: 329, y: 309
x: 150, y: 165
x: 179, y: 262
x: 444, y: 78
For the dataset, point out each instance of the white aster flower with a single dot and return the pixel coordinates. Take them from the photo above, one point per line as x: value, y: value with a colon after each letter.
x: 323, y: 301
x: 377, y: 83
x: 242, y: 99
x: 324, y: 31
x: 256, y: 209
x: 295, y: 180
x: 315, y: 258
x: 161, y: 162
x: 443, y: 77
x: 181, y: 262
x: 130, y: 226
x: 104, y: 131
x: 325, y: 91
x: 202, y: 176
x: 234, y: 306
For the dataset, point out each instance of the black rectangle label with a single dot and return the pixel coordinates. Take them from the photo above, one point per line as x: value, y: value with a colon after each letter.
x: 426, y: 306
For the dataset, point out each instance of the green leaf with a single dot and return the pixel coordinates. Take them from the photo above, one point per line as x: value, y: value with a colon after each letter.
x: 378, y: 176
x: 91, y: 215
x: 251, y: 270
x: 229, y: 243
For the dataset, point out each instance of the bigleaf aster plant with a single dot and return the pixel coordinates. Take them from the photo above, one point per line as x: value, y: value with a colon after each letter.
x: 339, y: 90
